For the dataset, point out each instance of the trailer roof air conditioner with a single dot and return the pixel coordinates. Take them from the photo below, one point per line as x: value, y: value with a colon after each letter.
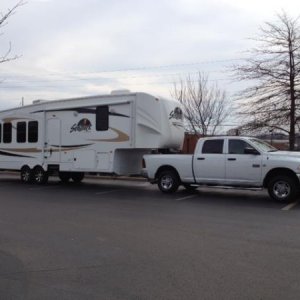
x: 120, y: 92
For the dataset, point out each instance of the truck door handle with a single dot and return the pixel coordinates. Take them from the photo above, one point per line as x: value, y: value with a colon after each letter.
x: 231, y: 158
x: 200, y: 158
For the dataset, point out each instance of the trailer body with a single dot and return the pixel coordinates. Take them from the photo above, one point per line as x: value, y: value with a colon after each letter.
x: 106, y: 134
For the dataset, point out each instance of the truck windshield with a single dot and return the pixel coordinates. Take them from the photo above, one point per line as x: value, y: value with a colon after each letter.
x: 263, y: 146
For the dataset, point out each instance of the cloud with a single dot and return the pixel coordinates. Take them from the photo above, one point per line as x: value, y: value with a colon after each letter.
x: 67, y: 46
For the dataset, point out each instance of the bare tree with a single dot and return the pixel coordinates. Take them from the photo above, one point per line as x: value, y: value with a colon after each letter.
x: 272, y: 102
x: 205, y: 106
x: 4, y: 16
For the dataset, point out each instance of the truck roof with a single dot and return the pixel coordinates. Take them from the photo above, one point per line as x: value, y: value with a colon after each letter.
x: 226, y: 136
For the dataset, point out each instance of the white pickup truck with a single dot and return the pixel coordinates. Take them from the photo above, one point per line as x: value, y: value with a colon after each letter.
x: 228, y: 161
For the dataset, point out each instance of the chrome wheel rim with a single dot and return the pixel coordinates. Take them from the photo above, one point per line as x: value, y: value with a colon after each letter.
x: 26, y: 176
x: 281, y: 189
x: 39, y: 175
x: 167, y: 182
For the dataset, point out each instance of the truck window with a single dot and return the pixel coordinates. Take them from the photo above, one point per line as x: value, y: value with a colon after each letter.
x: 238, y: 146
x: 7, y: 132
x: 213, y: 146
x: 33, y: 131
x: 21, y: 132
x: 0, y: 132
x: 102, y: 118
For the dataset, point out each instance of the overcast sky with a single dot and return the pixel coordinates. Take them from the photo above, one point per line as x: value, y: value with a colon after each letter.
x: 73, y: 48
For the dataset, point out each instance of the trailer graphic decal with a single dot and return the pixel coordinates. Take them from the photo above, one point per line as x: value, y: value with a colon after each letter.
x: 82, y: 110
x: 176, y: 114
x: 72, y: 146
x: 12, y: 154
x: 122, y: 137
x: 26, y: 150
x: 11, y: 119
x: 66, y: 148
x: 82, y: 125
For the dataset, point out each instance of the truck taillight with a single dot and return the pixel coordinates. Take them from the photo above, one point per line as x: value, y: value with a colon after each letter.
x: 143, y: 164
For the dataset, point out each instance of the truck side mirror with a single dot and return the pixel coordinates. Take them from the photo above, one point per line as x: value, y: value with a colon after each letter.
x: 251, y: 151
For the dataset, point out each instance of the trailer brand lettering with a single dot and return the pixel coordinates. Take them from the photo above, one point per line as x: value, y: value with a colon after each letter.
x: 176, y: 114
x: 83, y: 125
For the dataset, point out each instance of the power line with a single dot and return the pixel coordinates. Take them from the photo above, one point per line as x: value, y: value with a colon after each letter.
x: 93, y: 79
x: 19, y: 84
x: 159, y: 67
x: 125, y: 70
x: 130, y: 84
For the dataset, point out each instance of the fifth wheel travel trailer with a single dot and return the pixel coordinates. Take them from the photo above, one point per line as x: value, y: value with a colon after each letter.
x: 99, y: 134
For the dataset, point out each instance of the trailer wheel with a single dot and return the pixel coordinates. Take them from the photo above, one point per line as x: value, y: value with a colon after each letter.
x: 26, y: 175
x: 64, y: 176
x: 77, y: 177
x: 40, y: 176
x: 168, y: 181
x: 282, y: 188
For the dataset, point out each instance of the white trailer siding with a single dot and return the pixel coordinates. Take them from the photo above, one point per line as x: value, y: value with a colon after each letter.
x: 87, y: 149
x: 156, y: 124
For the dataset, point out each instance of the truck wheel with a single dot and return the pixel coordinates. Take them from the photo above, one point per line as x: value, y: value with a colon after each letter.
x: 26, y: 175
x: 168, y: 181
x: 40, y: 176
x: 64, y: 176
x: 77, y: 176
x: 282, y: 188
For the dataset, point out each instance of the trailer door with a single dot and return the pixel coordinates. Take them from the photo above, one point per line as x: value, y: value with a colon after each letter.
x: 53, y: 140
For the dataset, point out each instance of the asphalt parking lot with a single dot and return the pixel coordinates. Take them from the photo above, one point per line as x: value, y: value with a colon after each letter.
x: 119, y: 239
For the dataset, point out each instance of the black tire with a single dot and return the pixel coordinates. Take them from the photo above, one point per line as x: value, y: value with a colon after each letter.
x: 189, y: 187
x: 40, y: 175
x: 283, y: 188
x: 77, y: 177
x: 168, y: 181
x: 26, y: 175
x: 64, y: 176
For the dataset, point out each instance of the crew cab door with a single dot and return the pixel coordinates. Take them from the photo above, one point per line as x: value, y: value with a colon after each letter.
x: 209, y: 162
x: 243, y: 164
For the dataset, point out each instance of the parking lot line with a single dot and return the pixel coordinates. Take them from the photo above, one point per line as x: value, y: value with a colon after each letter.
x: 42, y: 188
x: 107, y: 192
x: 186, y: 197
x: 5, y: 185
x: 290, y: 206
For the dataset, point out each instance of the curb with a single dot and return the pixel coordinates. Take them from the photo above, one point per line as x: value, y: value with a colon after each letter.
x: 129, y: 178
x: 99, y: 177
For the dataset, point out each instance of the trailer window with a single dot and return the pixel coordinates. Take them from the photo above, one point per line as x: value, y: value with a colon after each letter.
x: 21, y: 132
x: 33, y: 131
x: 102, y: 118
x: 7, y: 131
